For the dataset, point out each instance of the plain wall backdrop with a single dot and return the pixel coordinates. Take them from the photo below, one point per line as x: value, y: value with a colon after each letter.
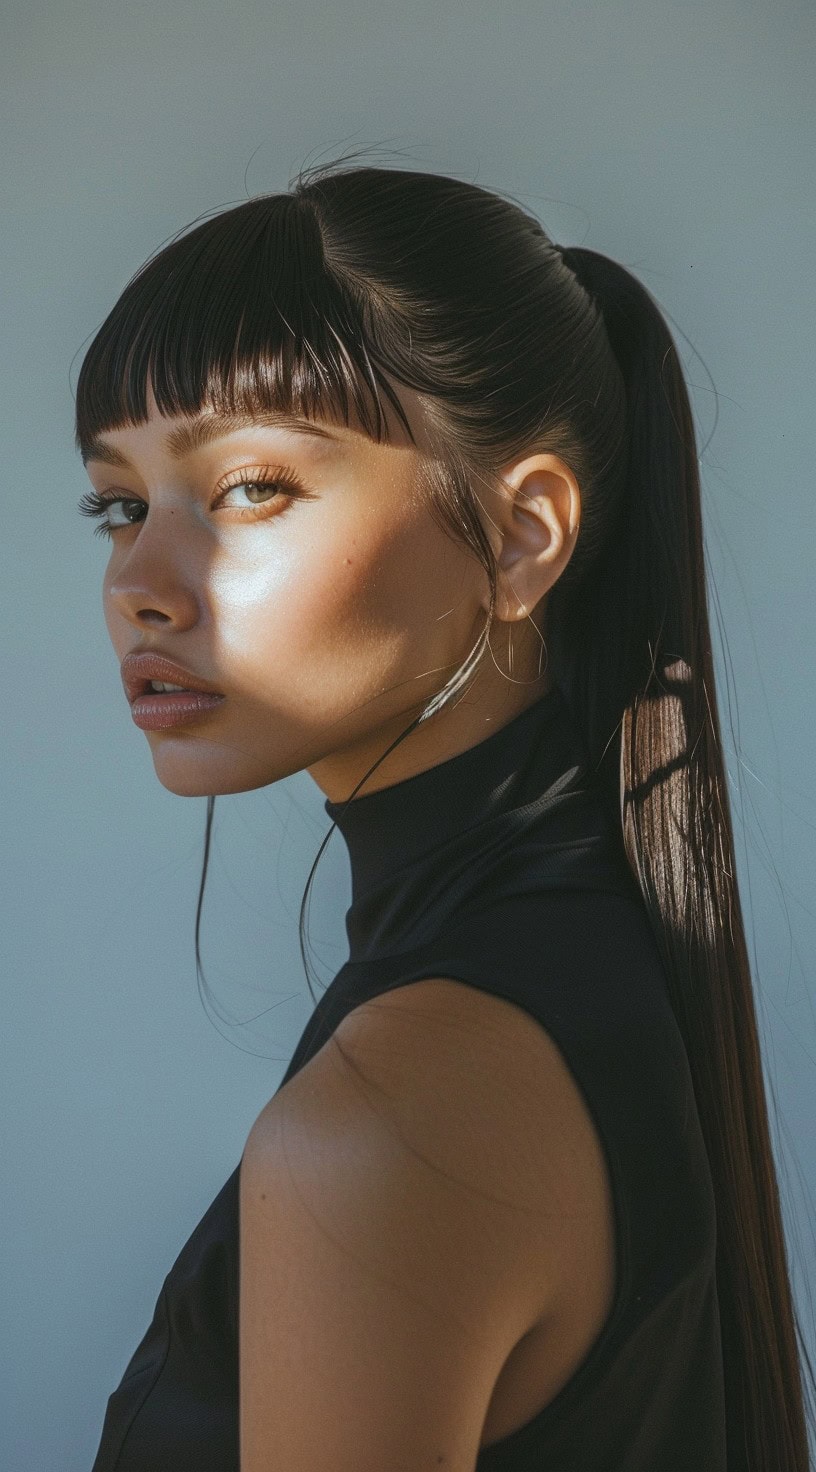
x: 677, y: 137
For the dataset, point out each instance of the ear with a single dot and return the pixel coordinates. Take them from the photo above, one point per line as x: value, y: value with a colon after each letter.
x: 533, y: 525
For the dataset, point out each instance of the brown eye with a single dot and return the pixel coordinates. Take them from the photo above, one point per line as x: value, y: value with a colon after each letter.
x: 262, y: 488
x: 93, y: 504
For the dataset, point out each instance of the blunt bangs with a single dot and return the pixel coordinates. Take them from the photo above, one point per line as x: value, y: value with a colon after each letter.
x: 242, y: 313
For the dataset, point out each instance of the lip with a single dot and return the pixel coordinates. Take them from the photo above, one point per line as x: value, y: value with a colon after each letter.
x: 160, y: 712
x: 139, y: 669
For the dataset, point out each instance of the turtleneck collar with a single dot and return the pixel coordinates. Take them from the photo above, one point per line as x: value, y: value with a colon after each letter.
x: 421, y: 848
x: 392, y: 827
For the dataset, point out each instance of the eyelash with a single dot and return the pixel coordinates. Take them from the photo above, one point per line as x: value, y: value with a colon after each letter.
x: 93, y: 503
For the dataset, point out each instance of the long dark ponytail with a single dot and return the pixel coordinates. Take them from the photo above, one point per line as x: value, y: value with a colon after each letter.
x: 650, y: 670
x: 318, y: 300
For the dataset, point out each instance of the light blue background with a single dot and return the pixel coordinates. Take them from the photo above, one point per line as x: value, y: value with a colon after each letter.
x: 677, y: 137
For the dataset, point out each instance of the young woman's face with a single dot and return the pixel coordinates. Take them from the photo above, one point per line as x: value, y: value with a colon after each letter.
x: 327, y: 612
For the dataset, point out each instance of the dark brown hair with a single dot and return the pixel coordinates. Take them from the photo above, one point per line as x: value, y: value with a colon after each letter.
x: 313, y: 302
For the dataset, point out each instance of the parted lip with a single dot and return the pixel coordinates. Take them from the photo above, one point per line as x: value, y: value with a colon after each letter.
x: 139, y: 669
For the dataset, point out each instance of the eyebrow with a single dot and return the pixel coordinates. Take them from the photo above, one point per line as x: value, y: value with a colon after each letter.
x: 202, y: 431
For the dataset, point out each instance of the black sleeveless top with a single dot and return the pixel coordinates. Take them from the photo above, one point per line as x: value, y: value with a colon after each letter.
x: 502, y: 868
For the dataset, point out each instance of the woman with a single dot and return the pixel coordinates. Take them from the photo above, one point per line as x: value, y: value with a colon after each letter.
x: 409, y: 496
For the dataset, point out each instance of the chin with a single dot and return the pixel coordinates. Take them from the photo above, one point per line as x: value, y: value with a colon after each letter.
x: 189, y: 776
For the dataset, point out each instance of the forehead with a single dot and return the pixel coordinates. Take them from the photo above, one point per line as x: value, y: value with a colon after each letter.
x: 182, y: 435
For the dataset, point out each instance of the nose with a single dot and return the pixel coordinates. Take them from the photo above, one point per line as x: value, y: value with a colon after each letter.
x: 153, y: 584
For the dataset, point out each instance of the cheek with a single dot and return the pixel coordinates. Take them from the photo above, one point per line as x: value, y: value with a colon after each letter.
x: 387, y: 590
x: 346, y: 610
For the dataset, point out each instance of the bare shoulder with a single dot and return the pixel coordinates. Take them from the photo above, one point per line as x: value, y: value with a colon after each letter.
x: 485, y: 1090
x: 494, y: 1066
x: 478, y: 1095
x: 422, y: 1206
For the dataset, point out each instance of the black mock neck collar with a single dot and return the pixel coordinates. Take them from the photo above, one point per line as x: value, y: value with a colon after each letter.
x: 418, y: 848
x: 395, y: 825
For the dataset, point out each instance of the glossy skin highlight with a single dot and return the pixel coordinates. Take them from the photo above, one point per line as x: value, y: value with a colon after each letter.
x: 330, y: 615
